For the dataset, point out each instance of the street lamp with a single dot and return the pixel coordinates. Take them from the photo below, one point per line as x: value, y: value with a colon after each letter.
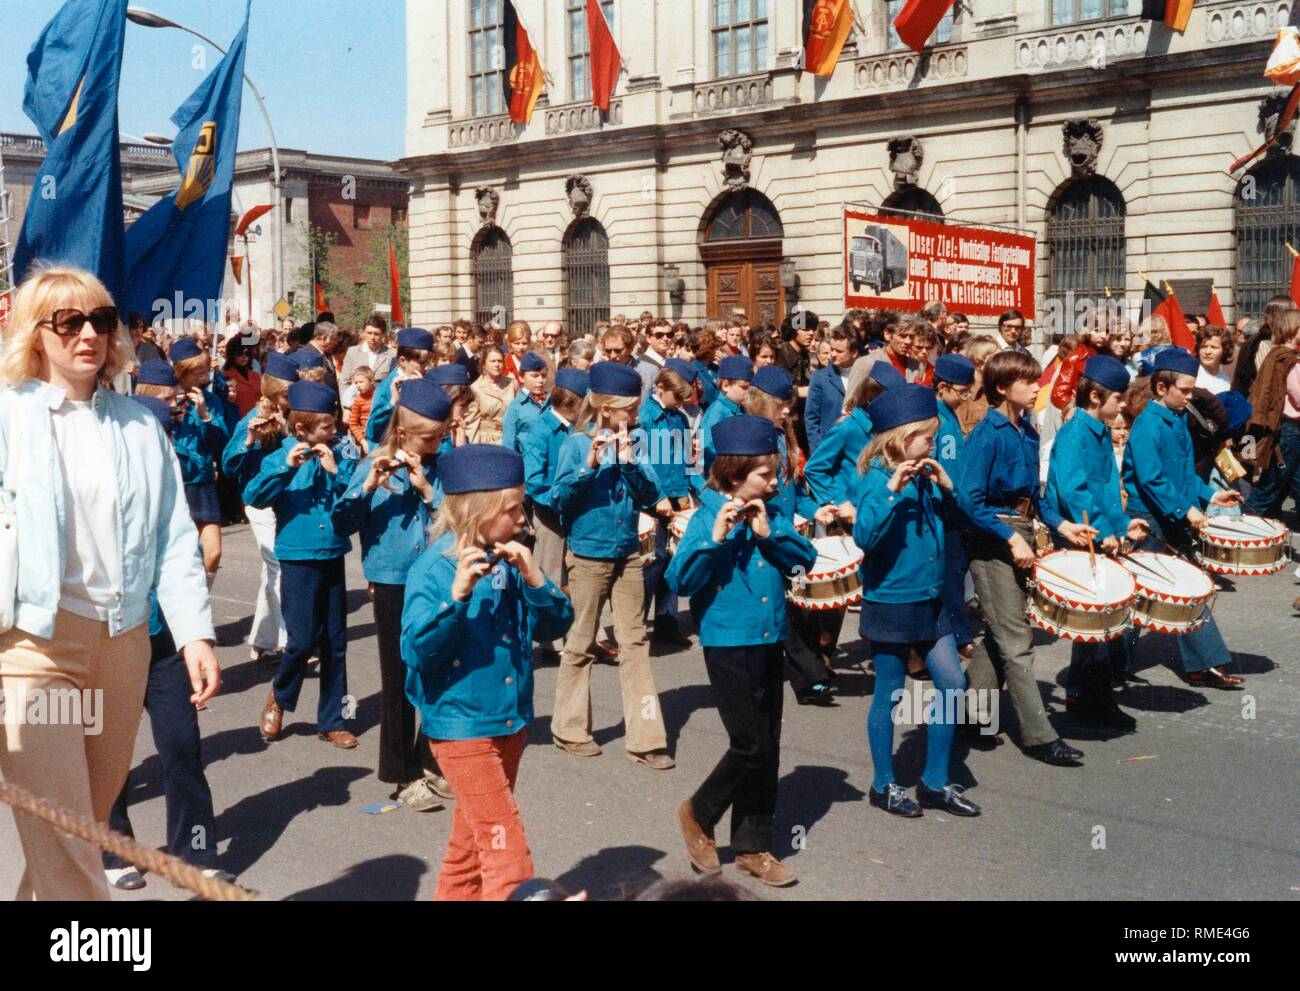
x: 148, y: 19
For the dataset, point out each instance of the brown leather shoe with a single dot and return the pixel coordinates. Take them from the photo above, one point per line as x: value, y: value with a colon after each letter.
x: 657, y: 760
x: 605, y: 652
x: 589, y: 748
x: 700, y: 846
x: 766, y: 868
x: 341, y: 738
x: 272, y: 718
x: 1215, y: 678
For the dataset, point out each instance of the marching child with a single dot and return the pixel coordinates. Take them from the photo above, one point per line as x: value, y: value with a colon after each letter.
x: 198, y: 438
x: 735, y: 372
x: 526, y: 409
x: 1082, y: 483
x: 954, y: 377
x: 453, y: 379
x: 414, y: 356
x: 475, y: 601
x: 600, y: 489
x: 302, y: 482
x: 391, y: 500
x: 731, y: 562
x: 905, y: 506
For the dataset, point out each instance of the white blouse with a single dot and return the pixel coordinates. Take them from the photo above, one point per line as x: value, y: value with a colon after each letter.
x: 1214, y: 383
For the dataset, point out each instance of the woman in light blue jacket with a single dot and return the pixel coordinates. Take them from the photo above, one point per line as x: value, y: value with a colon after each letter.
x: 94, y: 490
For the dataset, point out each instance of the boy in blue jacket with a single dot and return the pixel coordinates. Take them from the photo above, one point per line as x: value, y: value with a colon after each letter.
x: 735, y: 372
x: 731, y: 562
x: 526, y: 409
x: 466, y: 643
x: 302, y: 482
x: 414, y: 354
x: 199, y: 436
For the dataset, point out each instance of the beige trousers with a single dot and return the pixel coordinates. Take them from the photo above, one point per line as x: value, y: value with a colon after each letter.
x: 79, y: 765
x: 591, y: 583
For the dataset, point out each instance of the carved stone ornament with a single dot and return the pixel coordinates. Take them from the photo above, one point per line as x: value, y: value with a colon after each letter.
x: 488, y: 200
x: 1270, y: 113
x: 578, y: 189
x: 737, y: 147
x: 905, y: 157
x: 1082, y: 144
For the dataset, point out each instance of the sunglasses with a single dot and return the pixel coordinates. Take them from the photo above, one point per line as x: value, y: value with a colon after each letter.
x: 68, y: 323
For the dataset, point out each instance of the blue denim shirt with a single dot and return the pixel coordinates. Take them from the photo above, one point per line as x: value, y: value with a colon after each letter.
x: 832, y: 470
x: 469, y: 665
x: 1160, y: 468
x: 719, y: 409
x: 1082, y: 477
x: 303, y: 499
x: 381, y: 408
x: 521, y: 414
x: 156, y: 539
x: 902, y: 537
x: 1000, y: 465
x: 393, y: 522
x: 668, y: 438
x: 198, y: 444
x: 239, y: 462
x: 949, y: 443
x: 599, y: 509
x: 736, y: 587
x: 791, y: 494
x: 708, y: 382
x: 542, y: 456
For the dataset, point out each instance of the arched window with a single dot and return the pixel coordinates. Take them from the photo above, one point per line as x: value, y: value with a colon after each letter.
x: 494, y: 281
x: 586, y: 276
x: 913, y: 199
x: 744, y: 216
x: 741, y: 246
x: 1085, y: 240
x: 1266, y: 220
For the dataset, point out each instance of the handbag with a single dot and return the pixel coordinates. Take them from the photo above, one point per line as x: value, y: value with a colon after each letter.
x: 9, y: 530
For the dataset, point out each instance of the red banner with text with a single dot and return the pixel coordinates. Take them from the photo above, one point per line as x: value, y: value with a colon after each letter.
x: 4, y: 307
x: 901, y: 263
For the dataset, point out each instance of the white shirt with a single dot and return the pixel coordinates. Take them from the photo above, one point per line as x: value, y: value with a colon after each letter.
x: 92, y: 565
x: 1215, y: 383
x: 373, y: 357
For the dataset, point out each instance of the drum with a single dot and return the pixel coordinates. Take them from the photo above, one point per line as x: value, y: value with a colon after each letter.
x: 1076, y: 609
x: 833, y: 581
x: 681, y: 520
x: 1172, y: 595
x: 803, y: 527
x: 645, y: 531
x: 1243, y: 545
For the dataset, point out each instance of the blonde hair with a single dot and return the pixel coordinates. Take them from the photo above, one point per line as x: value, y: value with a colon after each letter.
x: 190, y: 366
x: 316, y: 374
x: 672, y: 382
x: 275, y: 396
x: 589, y: 415
x: 155, y: 391
x: 980, y: 349
x: 411, y: 422
x: 46, y: 289
x: 519, y: 331
x: 891, y: 445
x: 760, y: 403
x: 464, y: 514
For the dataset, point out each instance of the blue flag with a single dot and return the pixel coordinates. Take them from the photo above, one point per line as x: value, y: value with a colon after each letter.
x: 75, y: 213
x: 176, y: 252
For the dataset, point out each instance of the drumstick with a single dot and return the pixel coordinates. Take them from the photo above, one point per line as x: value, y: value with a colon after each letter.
x: 1147, y: 568
x: 1092, y: 552
x: 1224, y: 523
x: 1070, y: 581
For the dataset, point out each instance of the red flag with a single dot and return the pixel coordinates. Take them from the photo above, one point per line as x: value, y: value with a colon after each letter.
x: 605, y: 58
x: 826, y: 27
x: 1179, y: 333
x: 395, y: 288
x: 1215, y: 312
x: 237, y: 266
x: 322, y: 303
x: 918, y: 19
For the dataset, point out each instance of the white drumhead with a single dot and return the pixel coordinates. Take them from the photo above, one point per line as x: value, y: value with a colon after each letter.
x: 681, y: 521
x: 1176, y: 575
x: 645, y: 525
x: 1244, y: 527
x: 834, y: 554
x: 1113, y: 582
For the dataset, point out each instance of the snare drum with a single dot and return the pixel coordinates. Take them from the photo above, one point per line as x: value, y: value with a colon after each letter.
x: 1076, y: 609
x: 1172, y: 596
x: 681, y: 520
x: 645, y: 531
x: 833, y: 581
x: 1243, y: 545
x: 803, y: 527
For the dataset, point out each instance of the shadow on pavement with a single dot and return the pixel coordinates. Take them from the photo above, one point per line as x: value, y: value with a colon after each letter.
x: 812, y: 790
x: 616, y: 872
x: 395, y: 878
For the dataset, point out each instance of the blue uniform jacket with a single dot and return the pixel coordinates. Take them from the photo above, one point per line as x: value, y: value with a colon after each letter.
x: 198, y: 444
x: 1082, y: 477
x: 381, y: 408
x: 832, y: 470
x: 469, y: 665
x: 392, y: 522
x: 791, y: 497
x: 736, y: 588
x: 541, y: 450
x: 1000, y: 465
x: 902, y: 537
x: 668, y: 439
x: 521, y: 414
x: 1159, y: 468
x: 708, y: 382
x: 825, y: 404
x: 303, y: 499
x: 949, y: 443
x: 599, y: 509
x: 240, y: 462
x: 719, y: 409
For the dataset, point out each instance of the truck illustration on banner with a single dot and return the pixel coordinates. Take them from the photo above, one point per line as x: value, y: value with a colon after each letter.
x: 877, y: 259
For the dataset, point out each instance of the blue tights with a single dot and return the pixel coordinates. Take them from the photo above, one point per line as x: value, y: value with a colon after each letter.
x: 891, y: 671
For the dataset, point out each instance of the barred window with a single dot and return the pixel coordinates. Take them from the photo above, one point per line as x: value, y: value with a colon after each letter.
x: 942, y: 34
x: 586, y: 276
x: 1266, y: 219
x: 494, y: 281
x: 739, y: 37
x: 1070, y: 11
x: 1085, y: 240
x: 485, y: 57
x: 579, y: 46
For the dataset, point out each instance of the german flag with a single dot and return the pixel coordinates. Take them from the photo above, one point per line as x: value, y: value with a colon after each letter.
x: 918, y: 19
x: 1173, y: 13
x: 522, y: 79
x: 1165, y: 305
x: 826, y: 26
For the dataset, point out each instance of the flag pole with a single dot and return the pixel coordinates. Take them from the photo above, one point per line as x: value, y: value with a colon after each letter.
x: 1294, y: 253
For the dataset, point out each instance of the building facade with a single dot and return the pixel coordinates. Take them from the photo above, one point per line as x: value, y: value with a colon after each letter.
x: 719, y: 175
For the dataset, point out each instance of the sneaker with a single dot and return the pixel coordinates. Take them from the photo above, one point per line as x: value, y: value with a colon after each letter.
x: 766, y: 868
x: 419, y: 797
x: 439, y: 785
x: 125, y: 878
x: 263, y: 656
x: 220, y: 875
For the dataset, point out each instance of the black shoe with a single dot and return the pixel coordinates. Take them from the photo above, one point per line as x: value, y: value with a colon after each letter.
x: 894, y: 800
x: 1100, y: 712
x: 667, y: 634
x: 819, y: 694
x: 948, y: 798
x: 547, y: 657
x: 974, y: 736
x: 1058, y: 753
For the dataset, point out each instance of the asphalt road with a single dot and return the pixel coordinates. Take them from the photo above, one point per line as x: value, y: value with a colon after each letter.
x: 1200, y: 802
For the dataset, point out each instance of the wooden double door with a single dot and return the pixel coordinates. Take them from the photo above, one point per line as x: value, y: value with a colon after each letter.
x: 753, y: 285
